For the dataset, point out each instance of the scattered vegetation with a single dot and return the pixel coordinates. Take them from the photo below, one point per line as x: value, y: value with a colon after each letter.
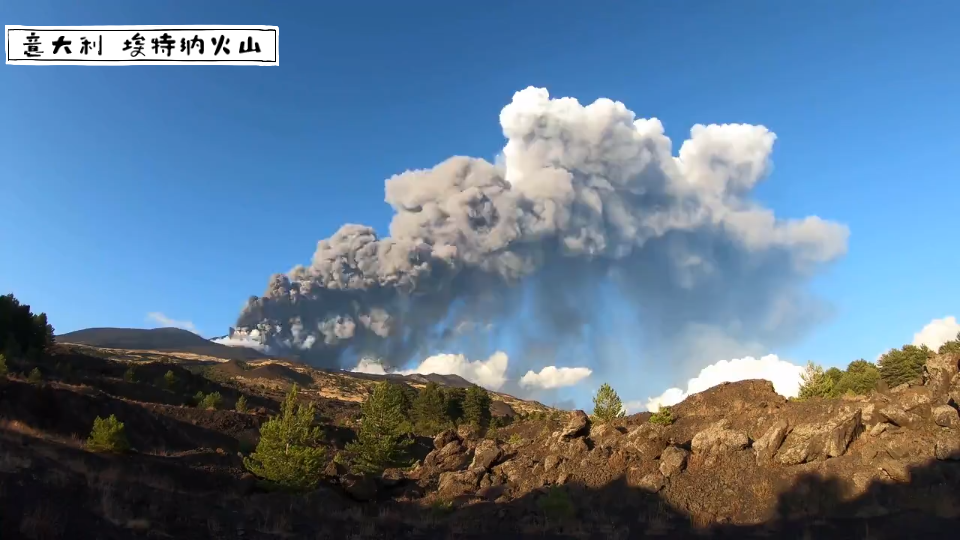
x: 21, y: 331
x: 241, y: 405
x: 515, y: 440
x: 288, y: 452
x: 663, y: 416
x: 903, y: 365
x: 170, y: 380
x: 382, y: 437
x: 607, y: 405
x: 556, y: 504
x: 108, y: 435
x: 130, y: 375
x: 213, y: 400
x: 3, y: 365
x: 35, y: 376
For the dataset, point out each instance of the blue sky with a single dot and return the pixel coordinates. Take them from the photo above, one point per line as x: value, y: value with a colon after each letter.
x: 180, y: 189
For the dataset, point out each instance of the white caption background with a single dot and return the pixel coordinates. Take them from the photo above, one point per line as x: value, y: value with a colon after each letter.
x: 117, y: 46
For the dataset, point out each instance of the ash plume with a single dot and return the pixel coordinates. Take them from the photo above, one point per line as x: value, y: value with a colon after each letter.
x: 582, y: 197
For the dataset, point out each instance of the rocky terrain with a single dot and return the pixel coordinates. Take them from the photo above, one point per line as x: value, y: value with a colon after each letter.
x: 738, y: 460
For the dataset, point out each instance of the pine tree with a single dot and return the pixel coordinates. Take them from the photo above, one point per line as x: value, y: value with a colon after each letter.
x: 35, y: 376
x: 860, y: 378
x: 382, y: 436
x: 606, y: 404
x: 170, y: 379
x: 952, y: 346
x: 453, y: 404
x: 108, y: 435
x: 476, y: 407
x: 3, y: 366
x: 428, y: 411
x: 288, y: 452
x: 814, y: 382
x: 241, y: 405
x: 904, y: 365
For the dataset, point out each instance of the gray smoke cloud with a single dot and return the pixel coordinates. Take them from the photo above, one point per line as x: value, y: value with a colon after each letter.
x: 582, y: 197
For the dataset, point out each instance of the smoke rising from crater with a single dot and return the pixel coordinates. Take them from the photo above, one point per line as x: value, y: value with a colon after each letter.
x: 583, y: 197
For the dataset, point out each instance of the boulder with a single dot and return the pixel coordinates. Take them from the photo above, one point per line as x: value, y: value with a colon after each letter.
x: 652, y: 482
x: 551, y: 462
x: 914, y: 397
x: 606, y: 436
x: 819, y: 441
x: 576, y: 425
x: 456, y: 484
x: 672, y: 461
x: 767, y: 445
x: 945, y: 416
x: 897, y: 416
x: 359, y: 487
x: 939, y: 372
x: 878, y: 429
x: 451, y: 457
x: 445, y: 438
x: 947, y: 447
x: 718, y: 439
x: 486, y: 454
x: 645, y: 442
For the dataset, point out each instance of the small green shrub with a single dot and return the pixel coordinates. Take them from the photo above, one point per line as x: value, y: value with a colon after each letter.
x: 3, y: 366
x: 213, y: 400
x: 241, y: 405
x: 108, y: 435
x: 515, y: 440
x: 130, y: 375
x: 556, y: 504
x: 170, y: 380
x: 663, y: 417
x: 35, y: 376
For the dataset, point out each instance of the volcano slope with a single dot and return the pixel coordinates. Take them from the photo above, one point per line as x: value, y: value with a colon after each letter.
x: 737, y: 461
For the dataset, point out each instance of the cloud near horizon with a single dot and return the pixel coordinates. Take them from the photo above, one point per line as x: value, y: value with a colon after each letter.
x: 164, y: 321
x: 784, y: 375
x: 489, y: 373
x: 552, y: 377
x: 937, y: 332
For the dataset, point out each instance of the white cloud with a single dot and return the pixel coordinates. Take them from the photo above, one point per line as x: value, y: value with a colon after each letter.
x: 554, y: 377
x: 489, y: 373
x: 784, y: 375
x: 164, y: 321
x: 937, y: 332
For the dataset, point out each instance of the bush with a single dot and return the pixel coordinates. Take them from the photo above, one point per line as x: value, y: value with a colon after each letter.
x: 241, y: 405
x: 3, y: 366
x: 663, y: 416
x: 476, y: 407
x: 108, y: 435
x: 556, y: 504
x: 903, y: 365
x: 208, y: 401
x: 288, y: 452
x: 130, y: 375
x: 35, y: 376
x: 170, y: 380
x: 22, y: 331
x: 607, y: 405
x: 814, y: 382
x: 515, y: 440
x: 381, y: 438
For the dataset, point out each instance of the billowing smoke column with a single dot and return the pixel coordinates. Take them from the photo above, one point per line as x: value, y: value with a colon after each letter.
x: 583, y: 195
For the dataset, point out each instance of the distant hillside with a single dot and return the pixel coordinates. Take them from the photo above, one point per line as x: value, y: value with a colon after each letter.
x: 157, y: 339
